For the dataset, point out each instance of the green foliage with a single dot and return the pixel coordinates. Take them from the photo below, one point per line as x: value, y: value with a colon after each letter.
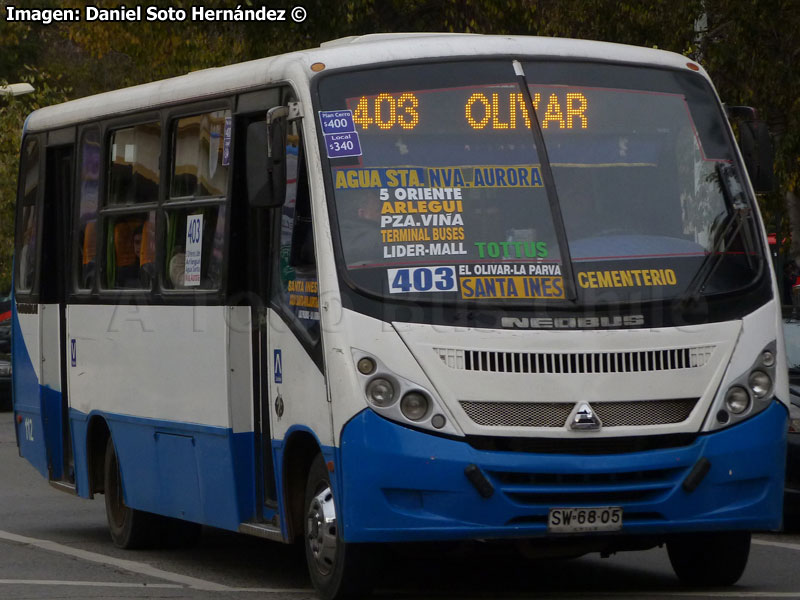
x: 11, y: 117
x: 48, y: 90
x: 751, y: 49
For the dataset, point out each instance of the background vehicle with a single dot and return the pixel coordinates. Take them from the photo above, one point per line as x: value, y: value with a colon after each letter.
x: 406, y: 288
x: 791, y: 333
x: 5, y: 352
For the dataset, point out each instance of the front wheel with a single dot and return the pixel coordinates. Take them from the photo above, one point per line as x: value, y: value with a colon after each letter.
x: 337, y: 569
x: 710, y: 559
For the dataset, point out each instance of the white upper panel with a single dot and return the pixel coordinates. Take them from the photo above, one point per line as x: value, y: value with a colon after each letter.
x: 347, y: 52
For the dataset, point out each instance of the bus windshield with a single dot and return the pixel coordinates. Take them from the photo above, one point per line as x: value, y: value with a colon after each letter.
x: 442, y: 193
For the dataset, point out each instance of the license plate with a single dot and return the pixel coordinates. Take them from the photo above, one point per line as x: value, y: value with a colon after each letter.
x: 574, y: 520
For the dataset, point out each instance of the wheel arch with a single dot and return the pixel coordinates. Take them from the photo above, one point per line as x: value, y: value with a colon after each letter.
x: 300, y: 450
x: 97, y: 435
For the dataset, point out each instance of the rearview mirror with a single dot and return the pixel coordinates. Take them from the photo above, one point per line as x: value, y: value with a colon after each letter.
x: 756, y: 147
x: 266, y: 160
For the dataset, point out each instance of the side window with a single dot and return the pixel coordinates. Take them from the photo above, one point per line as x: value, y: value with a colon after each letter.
x: 298, y: 284
x: 194, y: 245
x: 130, y: 251
x: 88, y: 196
x: 195, y: 211
x: 133, y: 180
x: 133, y: 170
x: 202, y: 155
x: 28, y: 219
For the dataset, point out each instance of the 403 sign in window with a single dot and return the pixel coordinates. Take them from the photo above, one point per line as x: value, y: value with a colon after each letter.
x: 422, y: 279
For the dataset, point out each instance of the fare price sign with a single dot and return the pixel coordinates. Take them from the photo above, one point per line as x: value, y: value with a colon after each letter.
x: 339, y: 130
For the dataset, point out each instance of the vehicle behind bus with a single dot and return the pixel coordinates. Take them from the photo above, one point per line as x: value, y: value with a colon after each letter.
x: 5, y: 352
x: 407, y: 288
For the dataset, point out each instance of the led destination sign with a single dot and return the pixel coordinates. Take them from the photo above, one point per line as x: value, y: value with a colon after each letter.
x: 481, y: 110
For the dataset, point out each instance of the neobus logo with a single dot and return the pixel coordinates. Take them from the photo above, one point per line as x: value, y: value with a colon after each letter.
x: 572, y: 322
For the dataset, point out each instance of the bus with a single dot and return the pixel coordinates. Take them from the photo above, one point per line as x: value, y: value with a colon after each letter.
x: 406, y: 288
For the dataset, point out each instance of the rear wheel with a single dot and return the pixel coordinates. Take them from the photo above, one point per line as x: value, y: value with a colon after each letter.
x: 129, y: 528
x: 710, y: 559
x: 337, y: 569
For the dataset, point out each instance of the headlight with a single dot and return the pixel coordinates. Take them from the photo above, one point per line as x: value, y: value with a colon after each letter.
x: 737, y: 400
x: 747, y: 394
x: 760, y: 383
x: 414, y: 406
x: 399, y: 399
x: 380, y: 391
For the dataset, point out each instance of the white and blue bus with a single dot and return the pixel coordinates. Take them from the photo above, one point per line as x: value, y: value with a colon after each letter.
x: 406, y: 288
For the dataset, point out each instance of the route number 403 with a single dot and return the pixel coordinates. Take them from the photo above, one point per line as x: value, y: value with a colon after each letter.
x: 422, y: 279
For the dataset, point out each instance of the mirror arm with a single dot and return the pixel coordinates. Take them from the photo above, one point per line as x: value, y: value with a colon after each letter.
x: 273, y: 114
x: 741, y: 113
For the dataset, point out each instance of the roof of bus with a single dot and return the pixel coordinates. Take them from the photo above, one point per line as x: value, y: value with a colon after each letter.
x: 345, y: 52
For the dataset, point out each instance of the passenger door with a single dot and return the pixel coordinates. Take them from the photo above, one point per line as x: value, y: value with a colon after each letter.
x: 255, y: 287
x: 40, y: 301
x: 53, y: 303
x: 297, y: 382
x: 26, y: 331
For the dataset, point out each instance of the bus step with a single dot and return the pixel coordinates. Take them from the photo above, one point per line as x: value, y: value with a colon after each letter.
x: 262, y: 530
x: 65, y: 486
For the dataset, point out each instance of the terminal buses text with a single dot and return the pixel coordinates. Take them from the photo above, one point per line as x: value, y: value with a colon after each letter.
x: 90, y: 13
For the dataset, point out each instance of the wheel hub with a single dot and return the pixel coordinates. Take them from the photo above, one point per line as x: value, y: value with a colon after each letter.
x: 321, y: 531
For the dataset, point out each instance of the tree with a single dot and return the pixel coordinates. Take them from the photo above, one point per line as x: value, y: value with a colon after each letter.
x: 752, y: 50
x: 20, y: 49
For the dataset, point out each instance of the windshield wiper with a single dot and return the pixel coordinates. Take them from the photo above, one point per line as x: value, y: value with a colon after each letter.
x: 738, y: 218
x: 568, y: 273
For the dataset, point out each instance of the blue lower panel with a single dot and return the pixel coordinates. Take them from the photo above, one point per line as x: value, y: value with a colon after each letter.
x: 192, y: 472
x: 397, y: 484
x: 28, y: 401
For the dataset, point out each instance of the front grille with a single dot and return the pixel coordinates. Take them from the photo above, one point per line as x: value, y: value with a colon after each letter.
x: 643, y: 412
x: 578, y: 479
x: 637, y: 361
x: 582, y: 446
x: 580, y: 489
x: 578, y: 498
x: 518, y: 414
x: 636, y: 413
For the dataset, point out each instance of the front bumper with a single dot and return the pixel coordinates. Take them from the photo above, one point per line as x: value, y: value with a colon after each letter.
x: 398, y: 484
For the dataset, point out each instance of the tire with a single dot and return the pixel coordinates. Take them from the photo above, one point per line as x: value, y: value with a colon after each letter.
x: 710, y: 559
x: 129, y: 528
x: 337, y: 569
